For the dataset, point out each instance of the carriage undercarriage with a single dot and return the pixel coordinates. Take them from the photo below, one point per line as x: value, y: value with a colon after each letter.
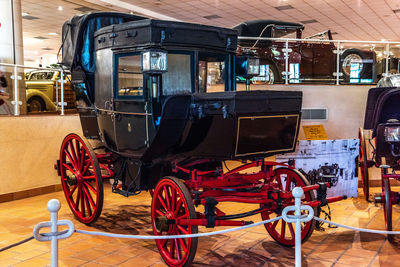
x: 176, y: 201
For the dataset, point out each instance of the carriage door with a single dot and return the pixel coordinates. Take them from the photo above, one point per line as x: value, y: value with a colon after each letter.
x: 130, y: 105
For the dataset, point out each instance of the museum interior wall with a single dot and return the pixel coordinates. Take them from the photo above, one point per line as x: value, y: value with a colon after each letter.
x: 30, y: 147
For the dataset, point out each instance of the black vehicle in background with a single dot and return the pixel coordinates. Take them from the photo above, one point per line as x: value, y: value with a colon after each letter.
x: 308, y: 61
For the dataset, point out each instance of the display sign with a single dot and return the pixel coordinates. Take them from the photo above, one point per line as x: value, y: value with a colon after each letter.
x: 315, y: 132
x: 332, y: 161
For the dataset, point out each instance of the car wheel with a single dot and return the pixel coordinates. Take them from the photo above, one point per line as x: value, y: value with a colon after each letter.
x: 36, y: 104
x: 349, y: 57
x: 273, y: 74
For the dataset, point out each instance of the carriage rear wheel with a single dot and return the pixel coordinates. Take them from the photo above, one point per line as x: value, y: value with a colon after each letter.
x: 281, y: 231
x: 387, y: 204
x: 81, y: 178
x: 363, y: 163
x: 172, y: 201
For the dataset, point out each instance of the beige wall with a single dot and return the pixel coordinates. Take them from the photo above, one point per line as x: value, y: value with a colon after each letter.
x: 29, y: 148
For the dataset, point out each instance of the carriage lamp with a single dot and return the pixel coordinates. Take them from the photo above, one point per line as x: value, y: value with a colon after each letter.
x: 392, y: 134
x: 247, y: 66
x: 154, y: 62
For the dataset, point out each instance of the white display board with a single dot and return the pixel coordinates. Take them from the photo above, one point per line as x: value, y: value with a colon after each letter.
x: 337, y: 158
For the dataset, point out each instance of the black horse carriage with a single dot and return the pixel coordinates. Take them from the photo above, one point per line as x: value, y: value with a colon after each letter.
x: 382, y: 118
x: 160, y: 98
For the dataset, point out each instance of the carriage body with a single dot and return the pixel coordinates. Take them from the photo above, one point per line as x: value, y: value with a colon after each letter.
x: 161, y: 98
x: 382, y: 118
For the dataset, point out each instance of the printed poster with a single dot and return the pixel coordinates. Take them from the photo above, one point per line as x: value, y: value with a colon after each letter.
x: 328, y: 160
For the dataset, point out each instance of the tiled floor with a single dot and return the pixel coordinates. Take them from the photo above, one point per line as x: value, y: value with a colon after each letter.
x: 254, y: 247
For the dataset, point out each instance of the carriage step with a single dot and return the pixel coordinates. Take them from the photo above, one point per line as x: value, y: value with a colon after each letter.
x: 124, y: 193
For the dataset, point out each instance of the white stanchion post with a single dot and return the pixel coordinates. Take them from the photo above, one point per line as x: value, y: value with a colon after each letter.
x: 297, y: 194
x: 297, y: 218
x: 53, y: 206
x: 62, y: 92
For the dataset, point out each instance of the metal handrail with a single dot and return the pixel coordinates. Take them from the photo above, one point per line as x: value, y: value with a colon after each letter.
x: 15, y: 77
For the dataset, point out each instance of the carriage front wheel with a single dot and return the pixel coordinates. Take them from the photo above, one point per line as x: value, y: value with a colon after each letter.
x: 81, y: 178
x: 363, y: 163
x: 387, y: 204
x: 172, y: 202
x: 281, y: 231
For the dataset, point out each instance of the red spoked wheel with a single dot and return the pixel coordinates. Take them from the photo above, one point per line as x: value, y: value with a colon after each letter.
x: 363, y: 163
x: 171, y: 201
x: 81, y: 178
x: 387, y: 204
x: 281, y: 231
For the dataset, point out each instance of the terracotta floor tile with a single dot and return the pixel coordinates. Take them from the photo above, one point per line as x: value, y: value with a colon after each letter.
x: 252, y: 247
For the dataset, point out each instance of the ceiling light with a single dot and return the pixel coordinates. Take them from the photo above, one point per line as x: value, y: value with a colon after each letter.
x: 24, y: 13
x: 52, y: 33
x: 60, y: 8
x: 308, y: 21
x: 210, y: 17
x: 35, y: 52
x: 131, y: 12
x: 383, y: 40
x: 286, y: 7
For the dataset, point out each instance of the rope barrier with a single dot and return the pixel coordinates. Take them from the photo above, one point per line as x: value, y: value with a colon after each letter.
x: 359, y: 229
x: 287, y: 215
x: 177, y: 236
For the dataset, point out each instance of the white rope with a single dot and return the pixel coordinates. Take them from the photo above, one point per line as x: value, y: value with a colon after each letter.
x: 178, y: 236
x: 359, y: 229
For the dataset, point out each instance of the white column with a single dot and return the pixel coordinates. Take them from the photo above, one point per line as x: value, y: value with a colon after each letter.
x: 11, y: 47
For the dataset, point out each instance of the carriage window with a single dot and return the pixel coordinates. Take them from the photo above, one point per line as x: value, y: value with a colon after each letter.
x: 211, y: 74
x: 130, y: 76
x: 177, y: 80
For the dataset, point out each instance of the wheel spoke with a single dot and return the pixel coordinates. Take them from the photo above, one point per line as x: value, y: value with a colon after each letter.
x: 72, y: 149
x: 178, y: 207
x: 291, y: 230
x: 89, y: 196
x: 167, y: 197
x: 162, y: 202
x: 86, y: 167
x: 78, y: 152
x: 182, y: 230
x: 82, y: 160
x: 88, y: 209
x: 72, y: 190
x: 159, y: 212
x: 171, y: 248
x: 78, y: 198
x: 287, y: 186
x: 70, y: 158
x: 177, y: 249
x: 173, y: 198
x: 82, y: 202
x: 274, y: 224
x: 68, y: 167
x: 283, y: 229
x: 91, y: 187
x: 183, y: 244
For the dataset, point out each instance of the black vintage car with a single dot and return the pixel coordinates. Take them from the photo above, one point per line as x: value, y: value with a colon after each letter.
x: 160, y: 98
x: 308, y: 61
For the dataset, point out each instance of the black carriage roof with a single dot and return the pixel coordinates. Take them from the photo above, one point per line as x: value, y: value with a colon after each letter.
x: 77, y: 36
x: 159, y: 33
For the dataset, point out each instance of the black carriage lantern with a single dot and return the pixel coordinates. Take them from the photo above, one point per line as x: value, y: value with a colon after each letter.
x: 247, y: 66
x: 154, y: 62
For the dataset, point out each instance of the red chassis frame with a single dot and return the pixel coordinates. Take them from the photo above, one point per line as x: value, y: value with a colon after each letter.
x: 221, y: 183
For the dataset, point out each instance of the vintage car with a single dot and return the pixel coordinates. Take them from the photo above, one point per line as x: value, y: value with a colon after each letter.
x: 43, y: 90
x: 308, y: 61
